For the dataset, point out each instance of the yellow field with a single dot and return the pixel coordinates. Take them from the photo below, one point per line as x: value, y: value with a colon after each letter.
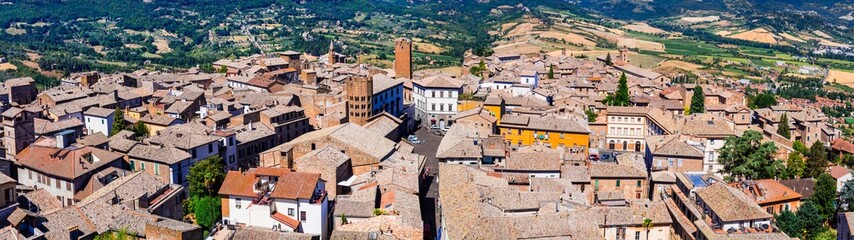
x: 7, y: 66
x: 680, y: 65
x: 641, y: 44
x: 841, y: 77
x: 569, y: 37
x: 700, y: 19
x: 428, y: 48
x: 792, y: 38
x: 16, y: 31
x: 162, y: 45
x: 644, y: 28
x: 521, y: 29
x: 756, y: 35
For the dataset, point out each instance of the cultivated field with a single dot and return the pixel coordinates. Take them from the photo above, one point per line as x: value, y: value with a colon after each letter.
x: 841, y: 77
x: 569, y: 37
x: 641, y: 44
x: 644, y: 28
x: 756, y: 35
x: 700, y: 19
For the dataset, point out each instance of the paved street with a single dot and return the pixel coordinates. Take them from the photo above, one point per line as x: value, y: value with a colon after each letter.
x: 429, y: 188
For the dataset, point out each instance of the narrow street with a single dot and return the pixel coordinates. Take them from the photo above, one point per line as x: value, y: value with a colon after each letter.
x: 429, y: 187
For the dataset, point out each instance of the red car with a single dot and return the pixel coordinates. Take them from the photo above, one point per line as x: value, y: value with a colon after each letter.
x: 593, y: 157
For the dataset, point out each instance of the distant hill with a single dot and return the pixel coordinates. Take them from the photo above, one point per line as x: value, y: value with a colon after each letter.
x: 831, y: 10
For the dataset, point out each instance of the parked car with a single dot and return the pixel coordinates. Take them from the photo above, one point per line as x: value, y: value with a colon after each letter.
x: 594, y: 158
x: 606, y: 156
x: 413, y: 139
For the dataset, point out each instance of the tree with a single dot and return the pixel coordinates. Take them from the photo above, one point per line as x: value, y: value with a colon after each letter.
x: 762, y: 100
x: 824, y: 195
x: 608, y: 60
x: 811, y: 218
x: 795, y: 166
x: 479, y: 69
x: 783, y: 128
x: 621, y: 98
x: 343, y: 219
x: 140, y: 130
x: 747, y: 157
x: 591, y: 115
x: 551, y: 72
x: 118, y: 122
x: 790, y: 224
x: 647, y: 224
x: 846, y: 197
x: 206, y: 176
x: 698, y: 100
x: 207, y: 68
x: 206, y: 210
x: 800, y: 147
x: 223, y: 69
x: 847, y: 160
x: 816, y: 160
x: 121, y: 234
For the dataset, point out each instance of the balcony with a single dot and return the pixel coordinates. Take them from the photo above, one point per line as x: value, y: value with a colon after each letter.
x: 318, y: 197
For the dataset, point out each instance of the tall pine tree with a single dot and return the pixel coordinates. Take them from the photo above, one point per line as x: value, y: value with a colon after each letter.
x: 783, y: 128
x: 118, y: 122
x: 621, y: 98
x: 698, y: 104
x: 551, y: 72
x: 608, y: 60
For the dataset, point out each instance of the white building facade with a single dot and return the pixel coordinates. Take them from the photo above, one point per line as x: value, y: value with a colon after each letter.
x: 435, y: 100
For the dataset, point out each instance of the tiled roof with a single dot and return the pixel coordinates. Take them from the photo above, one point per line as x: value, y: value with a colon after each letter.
x: 675, y: 145
x: 93, y: 140
x: 288, y: 221
x: 291, y: 185
x: 250, y: 233
x: 43, y: 126
x: 804, y: 186
x: 543, y: 123
x: 839, y: 171
x: 438, y: 81
x: 296, y: 185
x: 158, y: 119
x: 43, y: 200
x: 610, y: 170
x: 167, y: 154
x: 68, y: 163
x: 354, y: 136
x: 767, y: 191
x: 382, y: 82
x: 534, y: 158
x: 729, y: 204
x: 238, y: 184
x: 99, y: 112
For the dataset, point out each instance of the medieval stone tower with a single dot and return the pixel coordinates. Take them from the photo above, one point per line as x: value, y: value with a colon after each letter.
x: 331, y: 55
x: 20, y: 131
x: 359, y: 105
x: 403, y: 58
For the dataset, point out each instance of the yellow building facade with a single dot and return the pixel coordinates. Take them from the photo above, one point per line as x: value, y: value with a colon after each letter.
x: 523, y: 130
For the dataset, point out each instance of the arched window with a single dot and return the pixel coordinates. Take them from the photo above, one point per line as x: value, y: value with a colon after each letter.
x: 625, y: 145
x: 637, y: 146
x: 611, y: 145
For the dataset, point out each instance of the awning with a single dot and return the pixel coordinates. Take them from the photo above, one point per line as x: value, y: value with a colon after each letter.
x: 348, y: 182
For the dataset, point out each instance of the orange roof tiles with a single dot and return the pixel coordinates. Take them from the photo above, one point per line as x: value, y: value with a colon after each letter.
x: 296, y: 185
x: 290, y: 222
x: 238, y: 184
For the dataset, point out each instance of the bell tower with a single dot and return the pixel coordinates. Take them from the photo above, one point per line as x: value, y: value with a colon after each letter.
x: 403, y: 58
x: 359, y: 98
